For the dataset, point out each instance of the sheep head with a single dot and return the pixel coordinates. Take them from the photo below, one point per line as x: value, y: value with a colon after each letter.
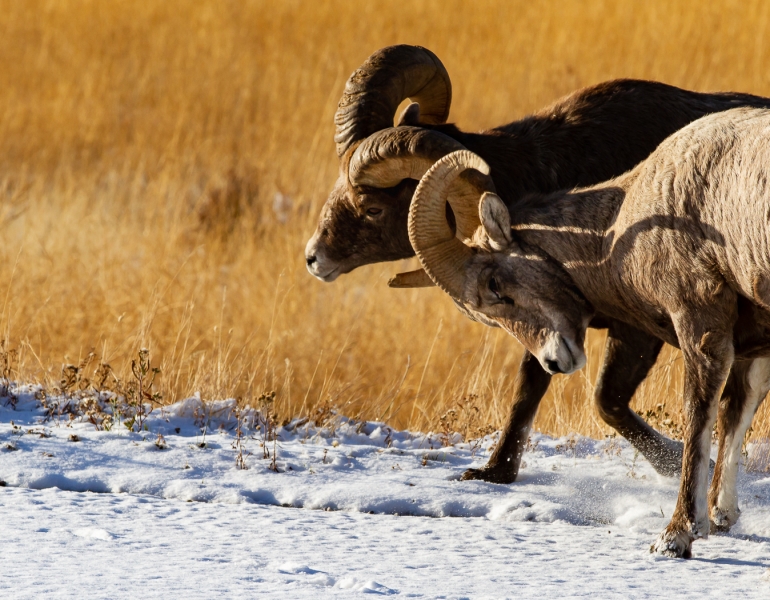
x: 364, y: 219
x: 495, y: 276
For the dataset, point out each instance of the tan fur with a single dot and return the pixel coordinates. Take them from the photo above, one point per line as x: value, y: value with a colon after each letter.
x: 678, y: 247
x: 584, y: 138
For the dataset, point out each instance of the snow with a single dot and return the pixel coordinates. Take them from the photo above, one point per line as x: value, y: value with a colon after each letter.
x: 354, y: 508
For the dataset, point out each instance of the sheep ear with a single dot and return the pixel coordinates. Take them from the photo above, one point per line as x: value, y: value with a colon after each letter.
x: 410, y: 115
x: 495, y: 220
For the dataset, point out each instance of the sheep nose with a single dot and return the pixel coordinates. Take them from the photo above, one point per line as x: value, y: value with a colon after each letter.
x: 553, y: 366
x: 310, y: 259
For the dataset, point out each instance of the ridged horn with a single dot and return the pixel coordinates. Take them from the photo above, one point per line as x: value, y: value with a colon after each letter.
x: 389, y: 156
x: 441, y: 253
x: 374, y: 91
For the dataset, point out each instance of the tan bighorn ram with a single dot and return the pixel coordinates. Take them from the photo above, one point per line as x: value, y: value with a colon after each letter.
x: 679, y: 247
x: 587, y: 137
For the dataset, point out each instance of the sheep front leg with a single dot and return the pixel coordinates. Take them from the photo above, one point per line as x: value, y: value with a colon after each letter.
x: 529, y: 388
x: 708, y: 356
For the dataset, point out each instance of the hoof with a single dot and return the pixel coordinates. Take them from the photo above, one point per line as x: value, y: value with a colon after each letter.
x: 492, y: 474
x: 673, y: 544
x: 723, y: 519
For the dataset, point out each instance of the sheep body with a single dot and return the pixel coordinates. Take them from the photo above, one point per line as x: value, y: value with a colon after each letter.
x: 679, y: 248
x: 586, y: 137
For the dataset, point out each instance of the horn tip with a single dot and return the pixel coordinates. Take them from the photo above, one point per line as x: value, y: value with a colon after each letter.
x: 412, y: 279
x: 397, y: 282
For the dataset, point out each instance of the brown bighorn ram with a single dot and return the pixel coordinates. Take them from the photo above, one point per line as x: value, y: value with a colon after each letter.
x: 679, y: 247
x: 585, y: 138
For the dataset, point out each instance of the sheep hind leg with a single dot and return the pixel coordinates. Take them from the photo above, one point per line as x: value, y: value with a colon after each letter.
x: 628, y: 357
x: 746, y: 387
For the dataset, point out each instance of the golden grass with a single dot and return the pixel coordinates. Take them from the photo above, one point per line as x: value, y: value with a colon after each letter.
x: 162, y: 165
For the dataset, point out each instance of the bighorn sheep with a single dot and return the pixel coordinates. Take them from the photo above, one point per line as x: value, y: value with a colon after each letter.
x: 679, y: 247
x: 585, y: 138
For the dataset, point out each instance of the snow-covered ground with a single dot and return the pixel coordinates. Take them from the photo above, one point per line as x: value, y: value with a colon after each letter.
x: 353, y: 508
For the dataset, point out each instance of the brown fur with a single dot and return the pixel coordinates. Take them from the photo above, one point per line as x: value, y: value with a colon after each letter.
x: 673, y: 248
x: 587, y: 137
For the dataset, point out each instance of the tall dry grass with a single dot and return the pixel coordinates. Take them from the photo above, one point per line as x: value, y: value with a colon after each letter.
x: 162, y: 164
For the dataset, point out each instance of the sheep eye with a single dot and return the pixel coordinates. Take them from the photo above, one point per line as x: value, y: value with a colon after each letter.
x: 495, y: 289
x: 373, y: 211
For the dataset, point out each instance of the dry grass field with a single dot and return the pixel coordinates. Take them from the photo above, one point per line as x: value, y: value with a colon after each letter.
x: 163, y: 163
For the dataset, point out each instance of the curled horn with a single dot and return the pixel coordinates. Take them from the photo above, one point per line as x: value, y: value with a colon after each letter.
x: 389, y: 156
x: 441, y: 253
x: 373, y: 93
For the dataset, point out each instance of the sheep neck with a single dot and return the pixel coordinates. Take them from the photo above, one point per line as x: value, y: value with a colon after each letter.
x: 571, y: 226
